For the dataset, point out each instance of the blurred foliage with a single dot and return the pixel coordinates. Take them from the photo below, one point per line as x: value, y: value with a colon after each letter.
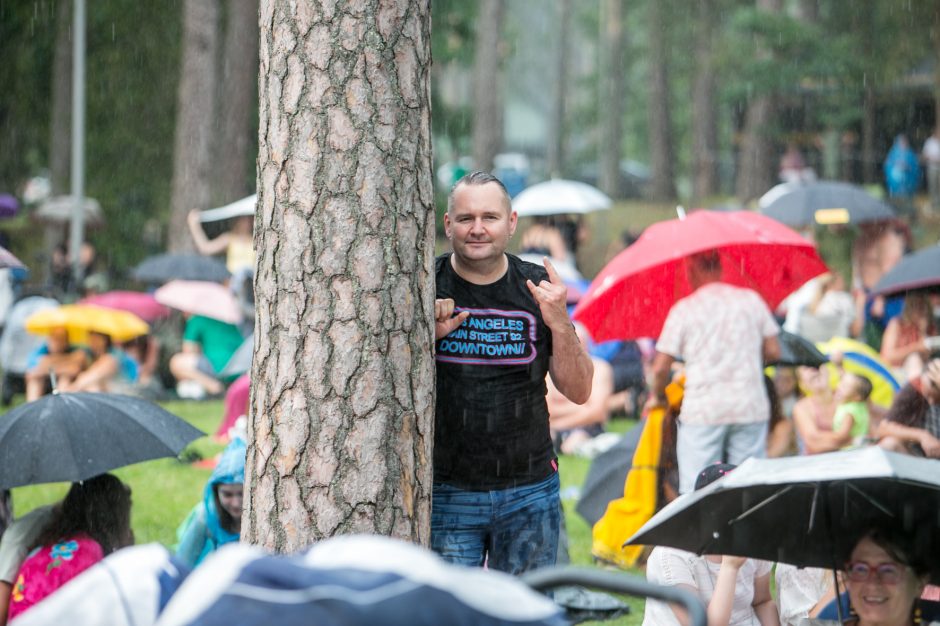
x: 817, y: 70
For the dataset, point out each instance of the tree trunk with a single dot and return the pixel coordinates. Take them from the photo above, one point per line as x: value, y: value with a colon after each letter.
x: 60, y: 136
x: 704, y: 115
x: 663, y: 183
x: 756, y: 162
x: 555, y: 153
x: 613, y: 97
x: 487, y: 100
x: 195, y: 115
x: 239, y: 90
x: 869, y: 160
x: 342, y: 404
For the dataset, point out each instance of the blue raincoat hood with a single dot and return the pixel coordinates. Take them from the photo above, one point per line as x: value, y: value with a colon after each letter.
x: 230, y: 469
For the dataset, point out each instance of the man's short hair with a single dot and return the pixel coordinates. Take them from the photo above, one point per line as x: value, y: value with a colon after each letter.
x: 708, y: 261
x: 477, y: 177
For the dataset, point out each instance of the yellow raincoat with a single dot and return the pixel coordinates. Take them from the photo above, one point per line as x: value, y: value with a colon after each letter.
x: 626, y: 515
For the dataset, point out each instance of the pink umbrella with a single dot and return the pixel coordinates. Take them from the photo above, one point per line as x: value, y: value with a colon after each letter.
x: 198, y: 297
x: 143, y: 305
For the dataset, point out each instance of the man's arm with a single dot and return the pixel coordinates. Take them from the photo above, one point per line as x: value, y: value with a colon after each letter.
x: 771, y: 349
x: 910, y: 434
x: 570, y: 366
x: 659, y: 376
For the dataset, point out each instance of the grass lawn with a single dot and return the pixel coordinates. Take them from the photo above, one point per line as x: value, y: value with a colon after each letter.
x: 165, y: 490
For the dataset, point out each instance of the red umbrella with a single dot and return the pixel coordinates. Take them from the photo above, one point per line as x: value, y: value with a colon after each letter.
x: 632, y: 295
x: 143, y: 305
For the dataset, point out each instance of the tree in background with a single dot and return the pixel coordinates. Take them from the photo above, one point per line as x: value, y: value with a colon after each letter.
x: 756, y: 157
x: 237, y: 146
x: 613, y: 71
x: 195, y: 117
x: 341, y: 419
x: 487, y: 98
x: 704, y: 112
x: 662, y: 153
x: 555, y: 153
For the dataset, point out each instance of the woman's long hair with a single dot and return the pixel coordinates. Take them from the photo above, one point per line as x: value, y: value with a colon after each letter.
x: 99, y: 507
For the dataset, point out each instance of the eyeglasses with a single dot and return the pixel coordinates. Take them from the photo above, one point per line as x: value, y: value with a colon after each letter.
x: 886, y: 573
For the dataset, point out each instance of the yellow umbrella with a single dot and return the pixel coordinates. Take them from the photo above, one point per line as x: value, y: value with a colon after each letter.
x: 80, y: 319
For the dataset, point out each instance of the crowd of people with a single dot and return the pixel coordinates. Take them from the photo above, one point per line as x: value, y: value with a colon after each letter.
x: 518, y: 383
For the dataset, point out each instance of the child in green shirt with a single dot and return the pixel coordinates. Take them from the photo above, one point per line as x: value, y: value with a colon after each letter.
x: 851, y: 420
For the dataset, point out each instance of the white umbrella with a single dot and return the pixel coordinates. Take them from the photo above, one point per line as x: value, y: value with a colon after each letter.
x: 59, y: 209
x: 239, y: 208
x: 558, y: 196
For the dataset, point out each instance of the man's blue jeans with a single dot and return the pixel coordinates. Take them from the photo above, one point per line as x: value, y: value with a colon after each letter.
x: 515, y: 529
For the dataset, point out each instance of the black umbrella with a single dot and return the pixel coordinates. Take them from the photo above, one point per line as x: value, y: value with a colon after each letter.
x: 826, y: 202
x: 75, y: 436
x: 163, y: 268
x: 795, y: 351
x: 606, y: 477
x: 918, y: 270
x: 807, y: 511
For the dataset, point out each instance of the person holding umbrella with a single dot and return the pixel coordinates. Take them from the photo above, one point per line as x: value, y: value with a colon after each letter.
x: 725, y: 334
x: 735, y: 590
x: 885, y: 574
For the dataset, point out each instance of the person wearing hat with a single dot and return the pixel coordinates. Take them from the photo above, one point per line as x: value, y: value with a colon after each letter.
x: 735, y: 590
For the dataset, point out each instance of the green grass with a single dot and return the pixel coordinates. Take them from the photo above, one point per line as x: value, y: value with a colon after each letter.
x: 165, y: 490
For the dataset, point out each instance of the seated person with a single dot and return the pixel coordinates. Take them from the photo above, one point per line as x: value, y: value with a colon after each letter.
x: 813, y: 413
x: 92, y: 521
x: 735, y: 590
x: 573, y: 424
x: 912, y: 424
x: 145, y: 351
x: 217, y: 519
x: 56, y: 355
x: 111, y: 370
x: 208, y: 345
x: 851, y: 420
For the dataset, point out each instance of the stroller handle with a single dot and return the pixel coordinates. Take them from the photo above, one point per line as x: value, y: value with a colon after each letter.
x: 615, y: 582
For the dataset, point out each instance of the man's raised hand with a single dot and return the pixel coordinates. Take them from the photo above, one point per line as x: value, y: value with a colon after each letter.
x: 552, y: 297
x: 445, y: 322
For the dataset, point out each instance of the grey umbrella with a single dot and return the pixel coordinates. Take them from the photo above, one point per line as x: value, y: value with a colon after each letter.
x: 918, y: 270
x: 798, y: 206
x: 795, y: 351
x: 240, y: 361
x: 75, y: 436
x: 163, y: 268
x: 606, y: 476
x: 807, y: 511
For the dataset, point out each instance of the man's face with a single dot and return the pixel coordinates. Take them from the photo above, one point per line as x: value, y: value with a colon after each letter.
x: 480, y: 222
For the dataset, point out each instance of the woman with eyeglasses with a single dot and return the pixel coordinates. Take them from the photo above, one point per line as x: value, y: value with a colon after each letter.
x: 885, y: 578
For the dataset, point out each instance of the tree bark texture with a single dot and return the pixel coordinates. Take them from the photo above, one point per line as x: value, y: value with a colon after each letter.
x: 555, y: 153
x: 239, y: 90
x: 342, y: 403
x: 662, y: 156
x: 487, y: 96
x: 613, y: 97
x: 756, y: 160
x: 195, y: 120
x: 60, y: 141
x: 704, y: 115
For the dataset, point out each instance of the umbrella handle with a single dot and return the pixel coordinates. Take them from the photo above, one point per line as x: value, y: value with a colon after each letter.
x: 52, y: 381
x: 551, y: 577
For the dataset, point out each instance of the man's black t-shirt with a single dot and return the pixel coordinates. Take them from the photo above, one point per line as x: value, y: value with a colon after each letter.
x: 491, y: 424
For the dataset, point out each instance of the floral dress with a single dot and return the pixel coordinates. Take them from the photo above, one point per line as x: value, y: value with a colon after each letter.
x: 49, y: 567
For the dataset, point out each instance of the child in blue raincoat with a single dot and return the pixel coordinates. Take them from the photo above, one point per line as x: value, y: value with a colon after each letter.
x: 217, y: 519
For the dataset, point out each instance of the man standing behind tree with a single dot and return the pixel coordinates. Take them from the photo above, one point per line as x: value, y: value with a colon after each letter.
x: 724, y: 334
x: 501, y: 325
